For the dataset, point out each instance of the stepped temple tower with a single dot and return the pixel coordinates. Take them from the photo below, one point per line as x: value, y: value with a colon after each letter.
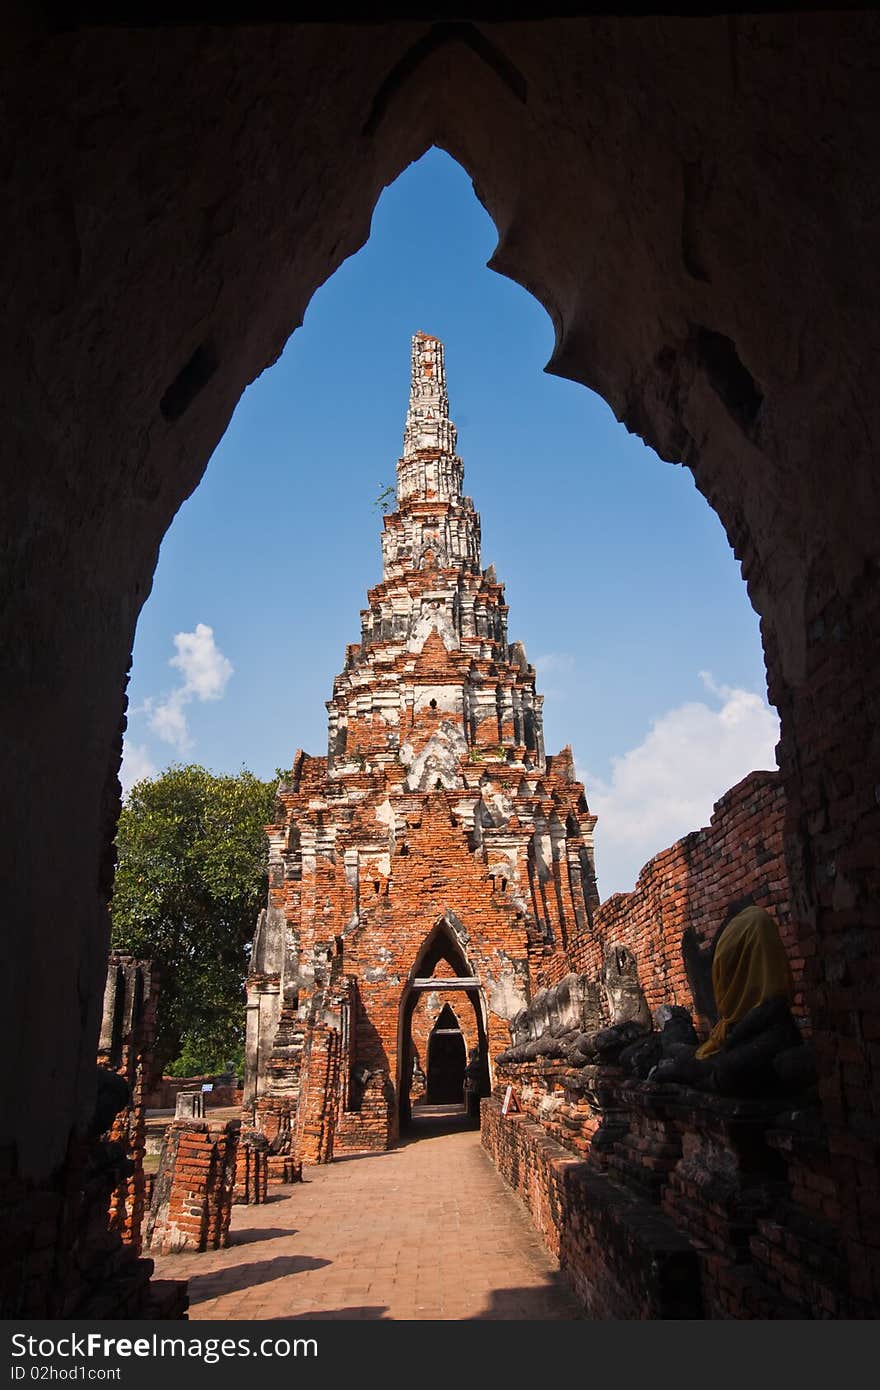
x: 421, y: 873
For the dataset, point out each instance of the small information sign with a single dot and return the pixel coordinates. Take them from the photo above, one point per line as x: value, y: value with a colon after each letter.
x: 510, y: 1104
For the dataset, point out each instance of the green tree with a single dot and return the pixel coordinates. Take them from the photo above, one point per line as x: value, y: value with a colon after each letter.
x: 190, y: 880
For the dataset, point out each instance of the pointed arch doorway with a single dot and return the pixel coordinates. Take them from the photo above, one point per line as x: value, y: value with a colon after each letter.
x: 446, y: 1059
x: 461, y: 1019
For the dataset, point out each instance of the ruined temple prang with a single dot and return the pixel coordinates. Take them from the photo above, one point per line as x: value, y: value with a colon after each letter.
x: 435, y: 804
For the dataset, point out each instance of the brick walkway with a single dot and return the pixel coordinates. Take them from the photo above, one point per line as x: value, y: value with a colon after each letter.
x: 428, y: 1230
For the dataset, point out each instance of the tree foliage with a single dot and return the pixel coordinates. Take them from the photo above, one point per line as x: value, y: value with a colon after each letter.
x: 385, y: 498
x: 190, y: 880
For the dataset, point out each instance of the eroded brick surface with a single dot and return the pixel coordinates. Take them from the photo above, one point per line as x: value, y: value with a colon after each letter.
x: 128, y: 1032
x: 192, y: 1196
x: 72, y: 1249
x: 661, y: 1201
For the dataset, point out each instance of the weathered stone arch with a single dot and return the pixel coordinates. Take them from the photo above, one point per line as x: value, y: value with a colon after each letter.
x: 447, y: 940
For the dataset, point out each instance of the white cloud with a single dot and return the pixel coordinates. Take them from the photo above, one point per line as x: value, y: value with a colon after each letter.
x: 667, y: 785
x: 168, y: 721
x: 136, y: 765
x: 206, y: 672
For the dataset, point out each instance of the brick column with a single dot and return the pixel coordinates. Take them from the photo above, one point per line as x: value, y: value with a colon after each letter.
x: 192, y: 1197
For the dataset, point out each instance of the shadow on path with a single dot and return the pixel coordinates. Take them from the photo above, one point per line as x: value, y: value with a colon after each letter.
x: 248, y: 1276
x: 532, y: 1304
x: 434, y: 1121
x: 431, y: 1234
x: 367, y: 1153
x: 250, y: 1235
x: 359, y: 1314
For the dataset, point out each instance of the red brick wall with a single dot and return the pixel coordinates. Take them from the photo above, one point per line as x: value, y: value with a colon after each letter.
x: 829, y: 755
x: 690, y: 885
x: 622, y: 1261
x: 368, y: 1128
x: 723, y: 1206
x: 71, y: 1245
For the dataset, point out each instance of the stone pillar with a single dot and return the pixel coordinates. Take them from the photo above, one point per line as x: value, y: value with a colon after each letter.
x: 128, y: 1031
x: 251, y: 1169
x: 189, y: 1105
x: 192, y: 1197
x: 318, y: 1099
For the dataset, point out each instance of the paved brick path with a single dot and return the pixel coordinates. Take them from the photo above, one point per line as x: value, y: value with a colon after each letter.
x: 428, y: 1230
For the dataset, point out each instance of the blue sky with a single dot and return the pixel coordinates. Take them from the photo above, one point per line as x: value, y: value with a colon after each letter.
x: 619, y: 577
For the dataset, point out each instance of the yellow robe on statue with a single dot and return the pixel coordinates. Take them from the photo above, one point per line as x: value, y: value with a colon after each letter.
x: 749, y: 966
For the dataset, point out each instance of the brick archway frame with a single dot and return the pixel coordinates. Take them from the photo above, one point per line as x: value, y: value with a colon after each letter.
x: 441, y: 943
x: 696, y: 211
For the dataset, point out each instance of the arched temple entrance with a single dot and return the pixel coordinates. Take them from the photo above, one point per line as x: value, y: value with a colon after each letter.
x: 446, y: 1053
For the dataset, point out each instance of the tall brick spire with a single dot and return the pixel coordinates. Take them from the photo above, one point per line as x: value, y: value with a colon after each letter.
x: 435, y: 631
x: 434, y: 527
x: 436, y: 835
x: 430, y: 467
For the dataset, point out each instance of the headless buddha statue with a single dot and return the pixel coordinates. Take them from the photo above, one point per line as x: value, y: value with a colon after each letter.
x: 753, y: 990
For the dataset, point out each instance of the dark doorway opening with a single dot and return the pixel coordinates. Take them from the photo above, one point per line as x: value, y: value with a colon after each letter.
x: 447, y: 1057
x: 446, y: 1068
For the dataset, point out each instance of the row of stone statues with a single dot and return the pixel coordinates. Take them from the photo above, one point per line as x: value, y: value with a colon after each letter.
x: 755, y: 1046
x: 582, y: 1020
